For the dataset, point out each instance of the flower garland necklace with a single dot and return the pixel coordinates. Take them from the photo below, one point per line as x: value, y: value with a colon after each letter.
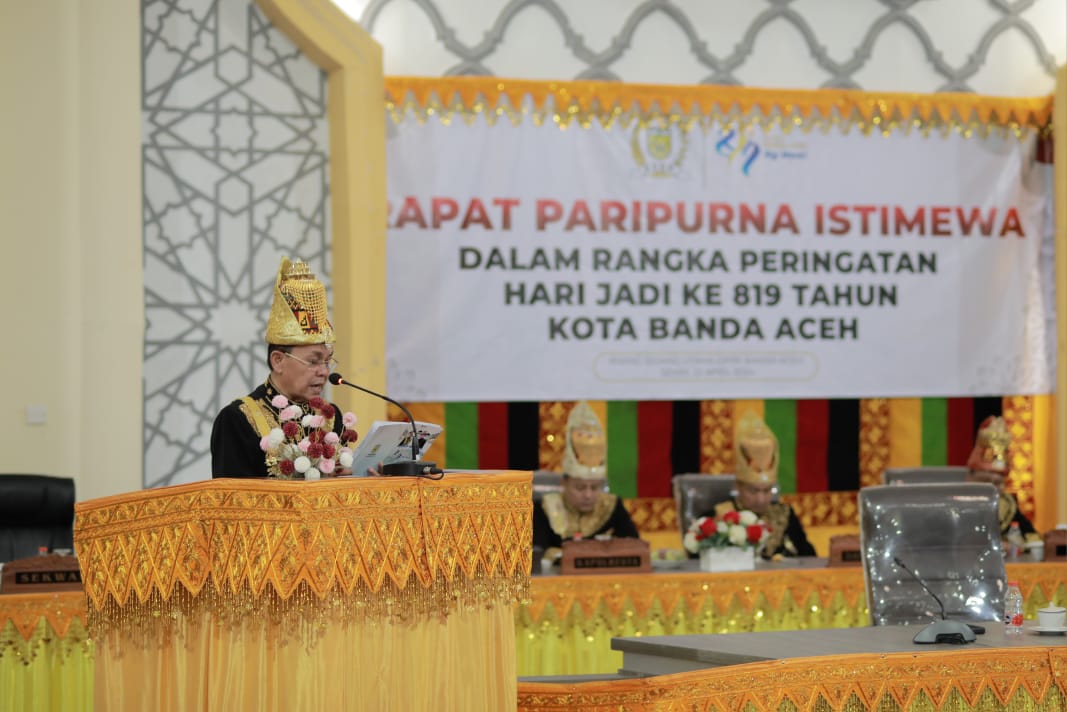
x: 305, y: 444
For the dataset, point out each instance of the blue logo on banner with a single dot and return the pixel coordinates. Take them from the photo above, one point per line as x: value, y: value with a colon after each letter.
x: 740, y: 149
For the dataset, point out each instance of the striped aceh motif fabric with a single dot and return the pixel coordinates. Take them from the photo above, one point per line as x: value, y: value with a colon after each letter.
x: 826, y: 446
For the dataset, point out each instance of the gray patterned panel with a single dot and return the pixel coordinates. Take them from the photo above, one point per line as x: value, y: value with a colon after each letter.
x: 882, y: 45
x: 235, y: 176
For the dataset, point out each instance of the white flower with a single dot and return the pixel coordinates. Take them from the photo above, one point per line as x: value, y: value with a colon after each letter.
x: 689, y: 541
x: 301, y: 464
x: 722, y: 527
x: 312, y: 474
x: 738, y: 535
x: 748, y: 518
x: 276, y: 437
x: 345, y: 458
x: 306, y: 420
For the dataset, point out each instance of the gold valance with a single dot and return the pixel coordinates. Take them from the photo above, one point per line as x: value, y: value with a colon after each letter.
x: 394, y: 549
x: 971, y: 679
x: 31, y: 621
x: 756, y: 595
x: 581, y: 102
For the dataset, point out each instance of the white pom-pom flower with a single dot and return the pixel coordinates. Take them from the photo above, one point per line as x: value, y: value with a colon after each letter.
x: 302, y: 464
x: 689, y: 541
x: 738, y: 535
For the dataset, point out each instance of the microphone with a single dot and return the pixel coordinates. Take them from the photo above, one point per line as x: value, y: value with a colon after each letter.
x: 944, y: 630
x: 404, y: 468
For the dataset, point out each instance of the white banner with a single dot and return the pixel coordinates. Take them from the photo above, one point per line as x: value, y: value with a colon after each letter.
x: 530, y: 262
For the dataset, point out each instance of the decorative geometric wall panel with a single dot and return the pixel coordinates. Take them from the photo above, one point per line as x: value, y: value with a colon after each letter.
x: 235, y: 177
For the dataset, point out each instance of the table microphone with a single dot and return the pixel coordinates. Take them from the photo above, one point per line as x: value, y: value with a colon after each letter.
x: 944, y: 630
x: 403, y: 468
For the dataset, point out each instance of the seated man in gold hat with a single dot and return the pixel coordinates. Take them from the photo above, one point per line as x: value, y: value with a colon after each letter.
x: 583, y: 509
x: 989, y: 462
x: 756, y: 450
x: 300, y: 356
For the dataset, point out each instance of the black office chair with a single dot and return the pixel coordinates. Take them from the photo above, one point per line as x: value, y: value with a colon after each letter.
x: 35, y: 511
x: 696, y: 494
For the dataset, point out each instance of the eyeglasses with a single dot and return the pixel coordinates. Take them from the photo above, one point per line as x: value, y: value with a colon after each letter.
x: 331, y: 363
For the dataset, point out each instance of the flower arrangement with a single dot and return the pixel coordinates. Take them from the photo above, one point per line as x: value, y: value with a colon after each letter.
x: 305, y: 444
x: 733, y: 528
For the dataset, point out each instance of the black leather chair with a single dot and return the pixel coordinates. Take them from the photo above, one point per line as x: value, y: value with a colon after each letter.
x: 696, y: 494
x: 35, y: 511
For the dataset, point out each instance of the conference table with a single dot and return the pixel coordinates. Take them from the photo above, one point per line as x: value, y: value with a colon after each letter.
x: 665, y: 655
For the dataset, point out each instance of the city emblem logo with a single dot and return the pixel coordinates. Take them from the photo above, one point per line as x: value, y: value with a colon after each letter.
x: 659, y: 150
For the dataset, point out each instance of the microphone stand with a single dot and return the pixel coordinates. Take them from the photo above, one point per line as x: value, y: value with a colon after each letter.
x: 944, y: 630
x: 402, y: 468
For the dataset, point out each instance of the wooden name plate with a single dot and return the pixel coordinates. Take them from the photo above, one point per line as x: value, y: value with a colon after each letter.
x: 41, y: 574
x: 1056, y: 545
x: 845, y: 550
x: 612, y: 556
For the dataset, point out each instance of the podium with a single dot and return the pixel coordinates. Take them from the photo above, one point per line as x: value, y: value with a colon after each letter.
x: 344, y: 594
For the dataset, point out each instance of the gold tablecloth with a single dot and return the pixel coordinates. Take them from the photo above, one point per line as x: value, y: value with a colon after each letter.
x: 46, y: 658
x: 1017, y: 679
x: 567, y: 626
x: 278, y: 595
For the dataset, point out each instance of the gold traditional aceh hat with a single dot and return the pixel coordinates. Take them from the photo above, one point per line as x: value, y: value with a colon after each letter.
x: 991, y: 446
x: 586, y: 449
x: 298, y: 314
x: 756, y: 451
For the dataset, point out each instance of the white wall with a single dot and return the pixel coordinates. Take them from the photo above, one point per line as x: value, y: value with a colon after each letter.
x: 981, y: 46
x: 70, y: 220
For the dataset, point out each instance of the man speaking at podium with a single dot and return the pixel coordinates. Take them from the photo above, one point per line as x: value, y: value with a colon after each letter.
x: 583, y: 509
x: 300, y: 356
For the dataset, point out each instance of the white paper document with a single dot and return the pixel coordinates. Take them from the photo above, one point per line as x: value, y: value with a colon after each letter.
x: 389, y: 441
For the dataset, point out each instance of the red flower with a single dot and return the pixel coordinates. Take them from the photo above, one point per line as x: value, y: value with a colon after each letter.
x: 314, y: 450
x: 328, y: 450
x: 316, y: 403
x: 327, y: 411
x: 732, y: 517
x: 316, y: 436
x: 708, y: 527
x: 290, y: 429
x: 754, y: 532
x: 349, y: 436
x: 286, y: 467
